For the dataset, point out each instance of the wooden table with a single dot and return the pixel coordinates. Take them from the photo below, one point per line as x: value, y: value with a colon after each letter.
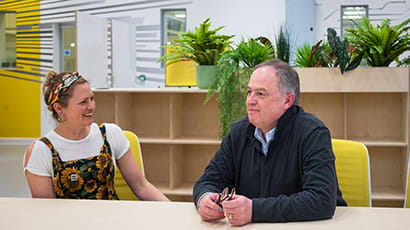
x: 58, y: 214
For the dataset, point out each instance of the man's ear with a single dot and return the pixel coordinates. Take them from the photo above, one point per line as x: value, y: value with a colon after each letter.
x: 289, y: 100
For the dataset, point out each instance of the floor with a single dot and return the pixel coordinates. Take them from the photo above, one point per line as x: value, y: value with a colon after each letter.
x: 12, y: 180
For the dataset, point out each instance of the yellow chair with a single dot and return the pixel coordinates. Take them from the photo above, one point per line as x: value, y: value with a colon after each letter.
x: 123, y: 190
x: 353, y: 172
x: 407, y: 199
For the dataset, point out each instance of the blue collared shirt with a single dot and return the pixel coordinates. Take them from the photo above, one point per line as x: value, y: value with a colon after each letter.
x: 265, y: 141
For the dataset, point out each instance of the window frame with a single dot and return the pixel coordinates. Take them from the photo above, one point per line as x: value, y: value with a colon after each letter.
x: 342, y: 20
x: 12, y: 62
x: 164, y: 31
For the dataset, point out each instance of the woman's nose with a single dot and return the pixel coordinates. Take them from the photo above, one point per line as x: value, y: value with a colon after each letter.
x: 91, y: 105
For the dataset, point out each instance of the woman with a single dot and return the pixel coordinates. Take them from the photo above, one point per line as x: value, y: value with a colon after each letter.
x: 78, y: 158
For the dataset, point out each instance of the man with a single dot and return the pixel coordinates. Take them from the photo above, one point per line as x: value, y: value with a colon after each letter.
x: 279, y: 158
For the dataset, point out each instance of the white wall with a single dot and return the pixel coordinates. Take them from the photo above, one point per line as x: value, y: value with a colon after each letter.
x: 300, y: 21
x: 241, y: 18
x: 328, y: 13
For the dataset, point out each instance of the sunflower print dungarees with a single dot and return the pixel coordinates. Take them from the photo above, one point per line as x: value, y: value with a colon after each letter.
x: 89, y: 178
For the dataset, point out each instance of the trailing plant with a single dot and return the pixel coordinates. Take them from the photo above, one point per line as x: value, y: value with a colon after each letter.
x: 203, y: 46
x: 342, y: 52
x: 380, y: 45
x: 234, y: 70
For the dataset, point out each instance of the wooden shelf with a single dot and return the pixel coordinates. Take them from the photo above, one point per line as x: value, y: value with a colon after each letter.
x: 188, y: 141
x: 182, y: 190
x: 388, y: 193
x: 179, y: 133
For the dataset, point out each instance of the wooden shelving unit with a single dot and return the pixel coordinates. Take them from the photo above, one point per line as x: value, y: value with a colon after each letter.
x: 179, y: 133
x: 370, y: 105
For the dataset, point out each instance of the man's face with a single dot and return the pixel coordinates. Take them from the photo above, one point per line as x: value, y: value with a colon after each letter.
x: 265, y: 104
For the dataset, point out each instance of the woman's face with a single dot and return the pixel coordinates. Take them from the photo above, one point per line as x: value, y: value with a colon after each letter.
x: 80, y: 108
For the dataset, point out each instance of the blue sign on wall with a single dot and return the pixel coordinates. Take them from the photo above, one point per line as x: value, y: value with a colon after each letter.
x: 67, y: 52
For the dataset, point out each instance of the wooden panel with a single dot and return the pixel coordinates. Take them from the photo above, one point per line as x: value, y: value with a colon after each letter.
x: 376, y: 116
x: 196, y: 158
x: 387, y: 169
x: 176, y: 166
x: 123, y: 110
x: 156, y: 163
x: 375, y: 79
x: 327, y: 107
x: 177, y: 115
x: 105, y: 104
x: 150, y: 115
x: 199, y: 120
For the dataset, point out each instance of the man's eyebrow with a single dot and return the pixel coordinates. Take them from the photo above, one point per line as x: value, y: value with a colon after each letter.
x: 259, y: 89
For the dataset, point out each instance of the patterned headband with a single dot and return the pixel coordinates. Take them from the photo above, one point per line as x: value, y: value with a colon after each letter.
x: 62, y: 86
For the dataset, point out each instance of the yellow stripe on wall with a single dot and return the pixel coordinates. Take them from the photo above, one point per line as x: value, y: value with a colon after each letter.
x: 20, y: 92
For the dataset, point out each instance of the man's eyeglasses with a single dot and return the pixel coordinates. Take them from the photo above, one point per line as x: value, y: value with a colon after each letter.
x: 225, y: 195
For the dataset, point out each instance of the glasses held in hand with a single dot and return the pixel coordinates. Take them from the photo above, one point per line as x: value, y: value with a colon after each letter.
x: 224, y: 195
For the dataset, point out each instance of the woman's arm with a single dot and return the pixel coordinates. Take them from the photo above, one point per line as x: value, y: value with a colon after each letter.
x: 40, y: 186
x: 137, y: 182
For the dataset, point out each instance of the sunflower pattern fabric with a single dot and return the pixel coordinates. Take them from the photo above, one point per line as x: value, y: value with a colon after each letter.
x: 89, y: 178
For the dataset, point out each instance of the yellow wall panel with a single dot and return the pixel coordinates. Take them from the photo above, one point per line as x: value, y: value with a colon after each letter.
x: 20, y: 91
x: 19, y: 108
x: 181, y: 73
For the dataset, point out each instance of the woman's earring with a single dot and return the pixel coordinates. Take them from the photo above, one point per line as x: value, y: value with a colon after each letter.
x: 61, y: 120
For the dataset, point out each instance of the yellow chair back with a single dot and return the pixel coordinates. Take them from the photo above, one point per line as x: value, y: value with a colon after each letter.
x: 407, y: 199
x: 353, y: 172
x: 123, y: 190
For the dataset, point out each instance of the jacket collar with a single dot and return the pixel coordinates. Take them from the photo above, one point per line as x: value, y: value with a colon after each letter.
x: 285, y: 120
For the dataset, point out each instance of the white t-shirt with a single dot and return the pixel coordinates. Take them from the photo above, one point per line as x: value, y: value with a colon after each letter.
x: 40, y: 160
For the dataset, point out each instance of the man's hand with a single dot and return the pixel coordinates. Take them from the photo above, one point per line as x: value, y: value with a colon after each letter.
x: 238, y: 210
x: 208, y: 209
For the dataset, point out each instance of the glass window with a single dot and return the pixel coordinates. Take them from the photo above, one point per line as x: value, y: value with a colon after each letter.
x: 68, y: 48
x: 173, y: 22
x: 7, y: 40
x: 353, y: 12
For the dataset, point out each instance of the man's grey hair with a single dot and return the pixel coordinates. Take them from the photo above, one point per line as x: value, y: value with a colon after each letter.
x: 288, y: 77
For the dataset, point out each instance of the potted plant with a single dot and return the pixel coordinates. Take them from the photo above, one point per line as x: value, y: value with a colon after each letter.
x: 335, y: 52
x: 308, y: 56
x: 283, y: 45
x: 234, y: 69
x: 203, y: 46
x: 380, y: 45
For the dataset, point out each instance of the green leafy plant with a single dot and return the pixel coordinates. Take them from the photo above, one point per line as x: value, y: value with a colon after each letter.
x: 303, y: 56
x: 380, y: 45
x: 203, y: 46
x: 234, y: 70
x: 313, y: 56
x: 283, y: 45
x: 342, y: 52
x: 405, y: 62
